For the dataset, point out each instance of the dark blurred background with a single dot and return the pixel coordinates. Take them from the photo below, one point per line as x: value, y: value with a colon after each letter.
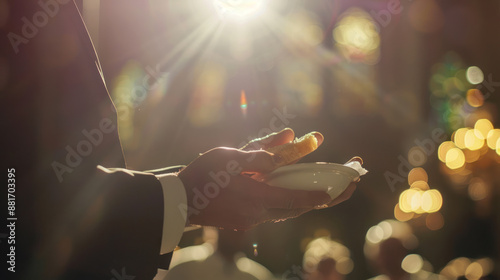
x: 386, y: 80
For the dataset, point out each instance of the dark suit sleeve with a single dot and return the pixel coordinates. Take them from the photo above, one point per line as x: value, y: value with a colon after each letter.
x: 125, y: 224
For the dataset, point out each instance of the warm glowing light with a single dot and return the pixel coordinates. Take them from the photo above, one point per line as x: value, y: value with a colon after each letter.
x: 321, y: 248
x: 344, y: 265
x: 402, y: 216
x: 405, y: 199
x: 472, y: 142
x: 475, y: 98
x: 487, y: 264
x: 471, y: 156
x: 375, y: 234
x: 417, y: 174
x: 426, y: 201
x: 443, y: 150
x: 412, y: 263
x: 420, y: 185
x: 455, y: 158
x: 432, y: 201
x: 474, y: 271
x: 459, y: 265
x: 386, y: 228
x: 416, y: 201
x: 482, y: 128
x: 357, y: 37
x: 229, y: 9
x: 492, y: 138
x: 459, y: 137
x: 475, y: 75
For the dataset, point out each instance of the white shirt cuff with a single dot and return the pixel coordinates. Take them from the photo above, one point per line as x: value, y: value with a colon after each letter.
x: 175, y: 211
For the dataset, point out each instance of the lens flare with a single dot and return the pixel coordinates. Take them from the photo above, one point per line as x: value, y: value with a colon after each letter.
x: 230, y: 9
x: 243, y: 103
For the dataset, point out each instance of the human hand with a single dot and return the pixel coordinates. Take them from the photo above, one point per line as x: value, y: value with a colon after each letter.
x: 220, y: 193
x: 288, y: 135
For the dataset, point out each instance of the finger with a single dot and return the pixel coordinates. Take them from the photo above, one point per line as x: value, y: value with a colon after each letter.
x: 274, y: 139
x: 344, y: 196
x: 319, y: 138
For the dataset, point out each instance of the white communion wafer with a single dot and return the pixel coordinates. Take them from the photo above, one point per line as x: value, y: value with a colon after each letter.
x: 356, y: 165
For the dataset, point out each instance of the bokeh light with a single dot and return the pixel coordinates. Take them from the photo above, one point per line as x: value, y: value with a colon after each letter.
x: 405, y: 199
x: 486, y: 264
x: 420, y: 201
x: 471, y: 156
x: 322, y: 248
x: 356, y: 37
x: 432, y: 201
x: 417, y: 174
x: 344, y: 265
x: 472, y: 141
x: 375, y: 234
x: 459, y: 137
x: 475, y: 97
x: 399, y: 230
x: 475, y: 75
x: 455, y: 158
x: 402, y: 216
x: 420, y: 185
x: 470, y: 269
x: 474, y: 271
x: 492, y: 138
x: 412, y: 263
x: 482, y: 128
x: 444, y: 148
